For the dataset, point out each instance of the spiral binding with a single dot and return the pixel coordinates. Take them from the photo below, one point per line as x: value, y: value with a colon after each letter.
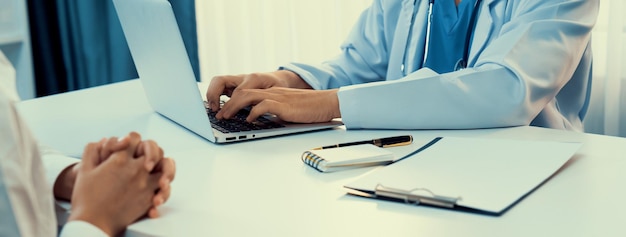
x: 312, y: 160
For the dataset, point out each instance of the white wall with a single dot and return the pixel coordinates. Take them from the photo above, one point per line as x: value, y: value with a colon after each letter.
x: 242, y: 36
x: 607, y: 111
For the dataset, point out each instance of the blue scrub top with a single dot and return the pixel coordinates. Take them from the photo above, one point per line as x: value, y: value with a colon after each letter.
x: 448, y: 34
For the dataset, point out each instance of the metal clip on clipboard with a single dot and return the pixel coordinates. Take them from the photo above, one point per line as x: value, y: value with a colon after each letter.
x: 411, y: 197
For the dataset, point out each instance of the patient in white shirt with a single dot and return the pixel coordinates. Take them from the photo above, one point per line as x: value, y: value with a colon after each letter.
x: 117, y: 182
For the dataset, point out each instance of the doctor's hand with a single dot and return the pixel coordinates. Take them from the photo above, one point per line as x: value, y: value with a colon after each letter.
x: 113, y: 193
x: 229, y: 84
x: 291, y: 105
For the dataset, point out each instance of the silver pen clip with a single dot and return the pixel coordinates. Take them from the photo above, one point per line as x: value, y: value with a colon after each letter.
x: 415, y: 197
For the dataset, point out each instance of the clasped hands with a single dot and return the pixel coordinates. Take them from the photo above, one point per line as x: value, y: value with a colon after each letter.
x: 117, y: 182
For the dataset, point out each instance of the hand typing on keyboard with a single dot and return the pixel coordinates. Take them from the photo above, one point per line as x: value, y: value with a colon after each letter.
x: 238, y: 122
x: 281, y: 93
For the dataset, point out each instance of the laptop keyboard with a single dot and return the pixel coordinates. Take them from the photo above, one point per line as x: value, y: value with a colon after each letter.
x: 239, y: 124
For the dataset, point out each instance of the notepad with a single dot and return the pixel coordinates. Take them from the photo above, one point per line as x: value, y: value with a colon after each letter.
x: 349, y: 157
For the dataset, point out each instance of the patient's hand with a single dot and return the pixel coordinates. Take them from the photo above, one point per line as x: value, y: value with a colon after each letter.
x: 154, y: 163
x: 115, y: 192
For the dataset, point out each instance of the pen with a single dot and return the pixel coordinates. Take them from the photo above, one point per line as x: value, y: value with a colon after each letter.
x: 380, y: 142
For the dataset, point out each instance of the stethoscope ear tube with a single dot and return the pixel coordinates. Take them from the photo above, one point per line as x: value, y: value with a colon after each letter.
x: 462, y: 63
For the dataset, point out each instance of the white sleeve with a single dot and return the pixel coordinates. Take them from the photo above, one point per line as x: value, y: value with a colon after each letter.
x: 25, y: 200
x: 55, y: 163
x: 81, y: 228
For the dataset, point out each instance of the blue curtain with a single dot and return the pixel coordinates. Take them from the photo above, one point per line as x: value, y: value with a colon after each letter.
x: 80, y: 43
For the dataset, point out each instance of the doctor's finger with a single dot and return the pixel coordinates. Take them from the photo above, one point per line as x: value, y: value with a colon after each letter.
x: 269, y: 106
x: 220, y: 85
x: 240, y: 100
x: 286, y: 111
x: 257, y: 81
x: 298, y: 105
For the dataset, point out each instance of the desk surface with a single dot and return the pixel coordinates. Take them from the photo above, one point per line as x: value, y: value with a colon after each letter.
x: 261, y: 188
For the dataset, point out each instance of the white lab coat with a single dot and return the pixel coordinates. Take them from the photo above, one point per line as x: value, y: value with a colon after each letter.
x: 26, y: 199
x: 529, y: 63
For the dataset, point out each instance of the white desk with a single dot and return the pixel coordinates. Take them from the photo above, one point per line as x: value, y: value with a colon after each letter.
x: 261, y: 188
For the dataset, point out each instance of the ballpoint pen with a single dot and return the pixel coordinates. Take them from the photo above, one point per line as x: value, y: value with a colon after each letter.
x: 380, y: 142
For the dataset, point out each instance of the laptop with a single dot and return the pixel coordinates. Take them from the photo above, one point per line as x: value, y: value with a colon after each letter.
x: 170, y: 85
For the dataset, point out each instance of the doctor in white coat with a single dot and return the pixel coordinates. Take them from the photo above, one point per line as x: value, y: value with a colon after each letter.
x: 478, y: 64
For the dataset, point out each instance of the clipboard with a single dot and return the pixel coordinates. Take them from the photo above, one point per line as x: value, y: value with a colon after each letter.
x: 474, y: 174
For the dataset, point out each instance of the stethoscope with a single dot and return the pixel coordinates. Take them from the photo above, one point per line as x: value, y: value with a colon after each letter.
x: 462, y: 62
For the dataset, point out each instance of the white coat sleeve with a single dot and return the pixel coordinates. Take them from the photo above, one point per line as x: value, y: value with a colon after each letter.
x: 518, y: 74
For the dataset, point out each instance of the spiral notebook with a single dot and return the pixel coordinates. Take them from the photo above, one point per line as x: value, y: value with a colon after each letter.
x: 348, y: 157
